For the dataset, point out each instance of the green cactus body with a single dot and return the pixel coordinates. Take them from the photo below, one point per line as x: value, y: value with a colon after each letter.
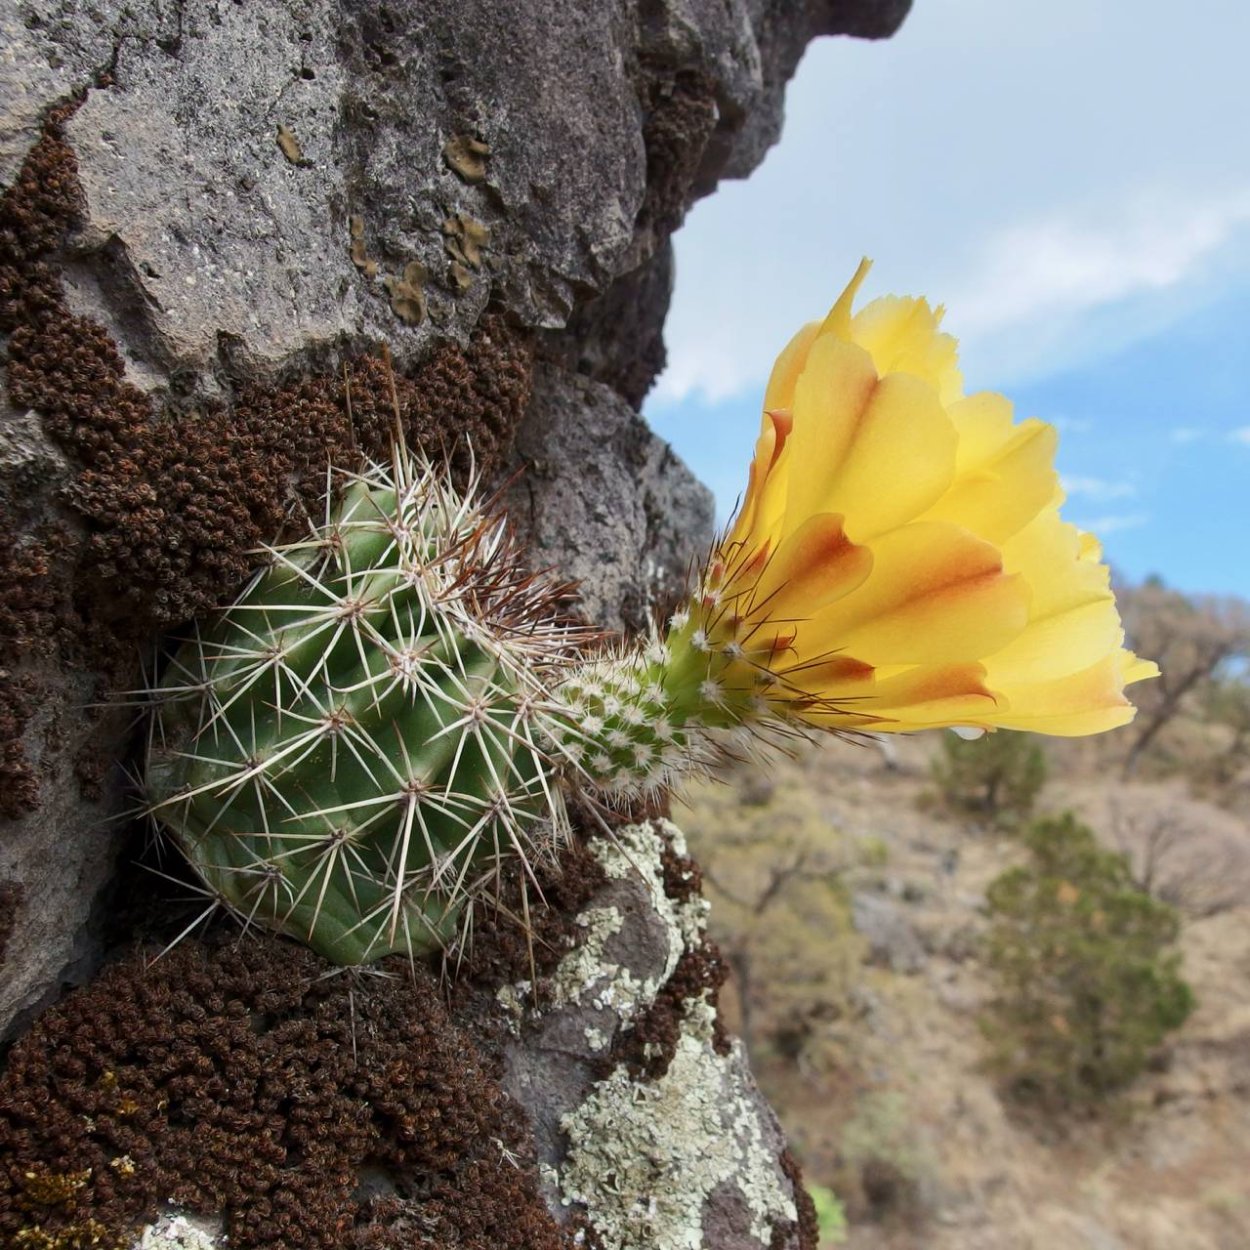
x: 353, y: 749
x: 386, y: 719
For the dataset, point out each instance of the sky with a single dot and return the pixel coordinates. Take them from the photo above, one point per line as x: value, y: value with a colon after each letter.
x: 1071, y: 179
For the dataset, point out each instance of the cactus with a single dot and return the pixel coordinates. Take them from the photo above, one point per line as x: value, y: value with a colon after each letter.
x: 391, y: 711
x: 352, y: 751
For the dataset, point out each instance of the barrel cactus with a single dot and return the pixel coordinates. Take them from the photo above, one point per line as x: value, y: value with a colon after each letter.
x: 355, y: 748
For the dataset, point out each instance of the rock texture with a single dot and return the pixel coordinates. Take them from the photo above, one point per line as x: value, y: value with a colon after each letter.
x: 604, y: 500
x: 214, y: 216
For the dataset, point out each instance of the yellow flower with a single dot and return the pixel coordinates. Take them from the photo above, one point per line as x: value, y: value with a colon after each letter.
x: 898, y: 561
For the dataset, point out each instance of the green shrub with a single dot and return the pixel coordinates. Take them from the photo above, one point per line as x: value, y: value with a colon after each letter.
x: 1088, y: 979
x: 830, y: 1215
x: 998, y: 775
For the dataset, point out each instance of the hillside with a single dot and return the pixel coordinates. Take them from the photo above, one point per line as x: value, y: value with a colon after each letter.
x: 853, y: 904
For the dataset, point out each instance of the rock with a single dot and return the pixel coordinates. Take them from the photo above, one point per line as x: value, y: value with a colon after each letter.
x: 892, y: 941
x: 250, y: 199
x: 686, y: 1155
x: 605, y: 501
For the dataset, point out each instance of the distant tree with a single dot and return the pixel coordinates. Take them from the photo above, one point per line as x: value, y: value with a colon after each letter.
x: 1088, y: 977
x: 1170, y: 860
x: 998, y: 775
x: 1191, y: 638
x: 1227, y: 703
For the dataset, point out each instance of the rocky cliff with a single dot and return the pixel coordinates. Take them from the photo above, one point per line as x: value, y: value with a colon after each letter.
x: 235, y: 240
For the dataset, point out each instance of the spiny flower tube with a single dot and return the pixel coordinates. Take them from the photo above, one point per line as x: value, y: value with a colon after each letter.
x: 898, y: 561
x: 383, y: 726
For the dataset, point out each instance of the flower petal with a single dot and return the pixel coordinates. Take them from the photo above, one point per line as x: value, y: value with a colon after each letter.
x: 1004, y: 473
x: 937, y: 594
x: 1085, y: 702
x: 899, y: 460
x: 902, y: 336
x: 781, y: 382
x: 747, y: 530
x: 933, y: 696
x: 830, y: 399
x: 816, y: 565
x: 895, y: 701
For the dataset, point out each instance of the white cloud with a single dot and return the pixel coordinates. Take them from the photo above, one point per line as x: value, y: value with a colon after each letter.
x: 1241, y: 435
x: 1183, y: 434
x: 1097, y: 489
x: 1032, y: 271
x: 1018, y: 163
x: 1113, y: 522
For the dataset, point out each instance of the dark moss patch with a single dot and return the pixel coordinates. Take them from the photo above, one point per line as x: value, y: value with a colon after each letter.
x: 314, y: 1107
x: 169, y: 499
x: 647, y: 1047
x: 11, y: 894
x: 19, y: 785
x: 808, y: 1226
x: 680, y: 116
x: 506, y: 949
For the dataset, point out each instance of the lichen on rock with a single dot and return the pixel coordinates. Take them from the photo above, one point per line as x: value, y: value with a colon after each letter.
x: 649, y: 1126
x: 177, y: 1232
x: 646, y: 1156
x: 591, y: 974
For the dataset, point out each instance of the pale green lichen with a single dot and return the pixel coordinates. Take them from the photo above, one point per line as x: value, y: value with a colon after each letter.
x: 178, y: 1232
x: 587, y: 975
x: 639, y: 849
x: 588, y: 968
x: 645, y: 1156
x: 512, y: 999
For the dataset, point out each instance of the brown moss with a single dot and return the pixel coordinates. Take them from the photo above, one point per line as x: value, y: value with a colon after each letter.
x: 505, y: 951
x: 312, y: 1106
x: 19, y: 784
x: 168, y: 501
x: 647, y: 1047
x: 680, y: 116
x: 11, y: 895
x: 808, y: 1225
x: 177, y: 505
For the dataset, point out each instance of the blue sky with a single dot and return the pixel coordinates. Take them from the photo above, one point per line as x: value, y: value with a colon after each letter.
x: 1072, y: 180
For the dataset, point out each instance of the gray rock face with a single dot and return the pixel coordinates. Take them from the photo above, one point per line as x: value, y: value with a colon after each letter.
x: 605, y: 501
x: 892, y: 940
x: 263, y: 193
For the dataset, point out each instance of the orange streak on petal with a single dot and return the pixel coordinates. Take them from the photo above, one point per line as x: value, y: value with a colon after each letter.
x: 936, y: 595
x: 838, y: 675
x: 814, y: 566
